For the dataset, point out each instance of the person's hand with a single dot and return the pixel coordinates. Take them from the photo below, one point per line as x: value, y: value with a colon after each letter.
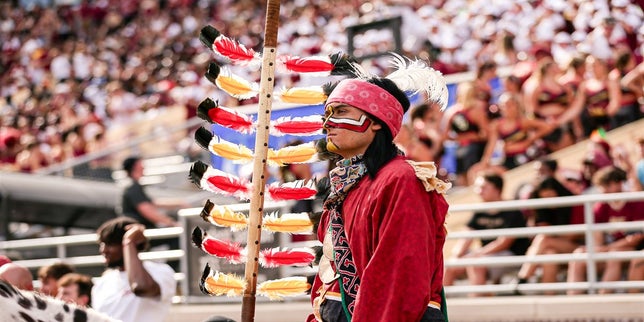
x: 134, y: 235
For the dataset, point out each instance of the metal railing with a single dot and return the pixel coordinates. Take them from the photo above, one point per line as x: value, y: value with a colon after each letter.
x: 591, y: 257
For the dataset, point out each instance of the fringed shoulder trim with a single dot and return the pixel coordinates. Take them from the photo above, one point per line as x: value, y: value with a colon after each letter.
x: 426, y: 173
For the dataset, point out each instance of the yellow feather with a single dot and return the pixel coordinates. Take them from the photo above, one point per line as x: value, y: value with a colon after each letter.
x: 224, y: 217
x: 230, y: 151
x: 289, y: 286
x: 302, y: 153
x: 236, y: 86
x: 227, y: 284
x: 298, y: 223
x: 303, y: 95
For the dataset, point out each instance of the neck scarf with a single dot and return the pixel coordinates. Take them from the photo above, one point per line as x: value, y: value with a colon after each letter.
x: 347, y: 173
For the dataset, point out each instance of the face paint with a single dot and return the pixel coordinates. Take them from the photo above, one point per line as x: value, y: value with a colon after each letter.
x: 360, y: 125
x: 331, y: 146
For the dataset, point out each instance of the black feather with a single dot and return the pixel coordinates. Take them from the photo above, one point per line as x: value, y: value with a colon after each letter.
x: 343, y: 64
x: 213, y: 72
x: 204, y: 108
x: 323, y: 152
x: 197, y: 237
x: 203, y: 137
x: 207, y: 208
x: 207, y: 35
x: 197, y: 170
x: 317, y: 250
x: 202, y: 282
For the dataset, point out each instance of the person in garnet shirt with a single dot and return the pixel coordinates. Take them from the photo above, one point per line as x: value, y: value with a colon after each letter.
x: 610, y: 180
x: 383, y: 222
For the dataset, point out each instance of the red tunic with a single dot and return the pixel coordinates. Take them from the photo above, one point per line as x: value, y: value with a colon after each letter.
x: 396, y: 234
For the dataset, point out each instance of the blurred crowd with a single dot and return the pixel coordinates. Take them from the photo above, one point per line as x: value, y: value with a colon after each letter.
x: 73, y: 73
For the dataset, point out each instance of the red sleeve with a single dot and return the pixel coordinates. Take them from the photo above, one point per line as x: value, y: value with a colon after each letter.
x: 405, y: 270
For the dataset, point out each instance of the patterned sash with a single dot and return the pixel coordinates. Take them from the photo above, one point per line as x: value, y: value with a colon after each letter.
x: 347, y: 173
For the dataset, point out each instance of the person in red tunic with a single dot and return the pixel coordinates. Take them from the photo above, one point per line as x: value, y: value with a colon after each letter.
x: 383, y: 221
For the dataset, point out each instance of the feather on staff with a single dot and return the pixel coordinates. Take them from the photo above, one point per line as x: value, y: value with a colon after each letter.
x: 299, y: 126
x: 293, y: 223
x: 217, y: 181
x: 311, y: 95
x: 295, y: 190
x: 210, y: 111
x: 216, y: 283
x: 301, y: 153
x: 275, y: 257
x: 227, y: 48
x: 232, y: 252
x: 278, y: 289
x: 223, y: 216
x: 218, y: 146
x: 234, y: 85
x: 313, y: 64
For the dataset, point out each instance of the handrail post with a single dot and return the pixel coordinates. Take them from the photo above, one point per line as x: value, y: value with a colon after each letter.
x: 591, y: 268
x: 61, y: 251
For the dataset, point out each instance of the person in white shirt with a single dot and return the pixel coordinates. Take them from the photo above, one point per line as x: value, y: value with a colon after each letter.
x: 131, y: 289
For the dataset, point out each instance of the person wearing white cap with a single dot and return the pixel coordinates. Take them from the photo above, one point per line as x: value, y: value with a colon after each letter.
x: 562, y: 48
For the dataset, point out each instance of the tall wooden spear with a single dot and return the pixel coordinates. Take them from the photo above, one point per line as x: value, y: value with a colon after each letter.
x: 261, y: 151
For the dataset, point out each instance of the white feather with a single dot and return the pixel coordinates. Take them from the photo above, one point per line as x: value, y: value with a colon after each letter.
x: 416, y: 76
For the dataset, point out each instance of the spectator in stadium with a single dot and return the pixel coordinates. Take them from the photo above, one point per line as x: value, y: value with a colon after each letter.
x: 624, y: 106
x: 467, y: 124
x: 426, y: 140
x: 548, y: 102
x: 137, y: 205
x: 593, y: 98
x: 639, y: 166
x: 75, y: 288
x: 515, y: 132
x: 17, y: 275
x: 131, y: 289
x: 610, y: 180
x: 49, y: 276
x: 489, y: 187
x: 485, y: 74
x: 550, y: 187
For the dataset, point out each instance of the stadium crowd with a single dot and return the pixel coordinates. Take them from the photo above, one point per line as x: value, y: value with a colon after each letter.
x: 74, y: 73
x: 71, y: 74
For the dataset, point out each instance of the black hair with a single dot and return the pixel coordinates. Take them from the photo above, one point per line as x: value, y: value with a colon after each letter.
x: 494, y: 179
x: 609, y: 174
x: 550, y: 183
x: 551, y: 164
x: 128, y: 164
x: 112, y: 231
x: 419, y: 111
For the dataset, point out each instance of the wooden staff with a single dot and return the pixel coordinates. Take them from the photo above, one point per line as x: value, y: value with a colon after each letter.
x: 261, y: 151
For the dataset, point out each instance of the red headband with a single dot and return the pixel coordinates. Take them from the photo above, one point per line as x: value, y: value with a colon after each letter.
x: 370, y: 98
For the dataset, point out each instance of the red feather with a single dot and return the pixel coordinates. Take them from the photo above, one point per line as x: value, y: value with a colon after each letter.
x: 233, y: 50
x: 221, y: 182
x: 296, y: 190
x: 213, y: 113
x: 293, y: 257
x: 233, y: 252
x: 308, y: 65
x: 300, y: 126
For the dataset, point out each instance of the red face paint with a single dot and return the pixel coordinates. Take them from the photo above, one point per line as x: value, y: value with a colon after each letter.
x: 360, y: 125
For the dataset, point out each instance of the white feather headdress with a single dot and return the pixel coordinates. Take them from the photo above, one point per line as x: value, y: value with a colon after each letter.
x: 413, y: 76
